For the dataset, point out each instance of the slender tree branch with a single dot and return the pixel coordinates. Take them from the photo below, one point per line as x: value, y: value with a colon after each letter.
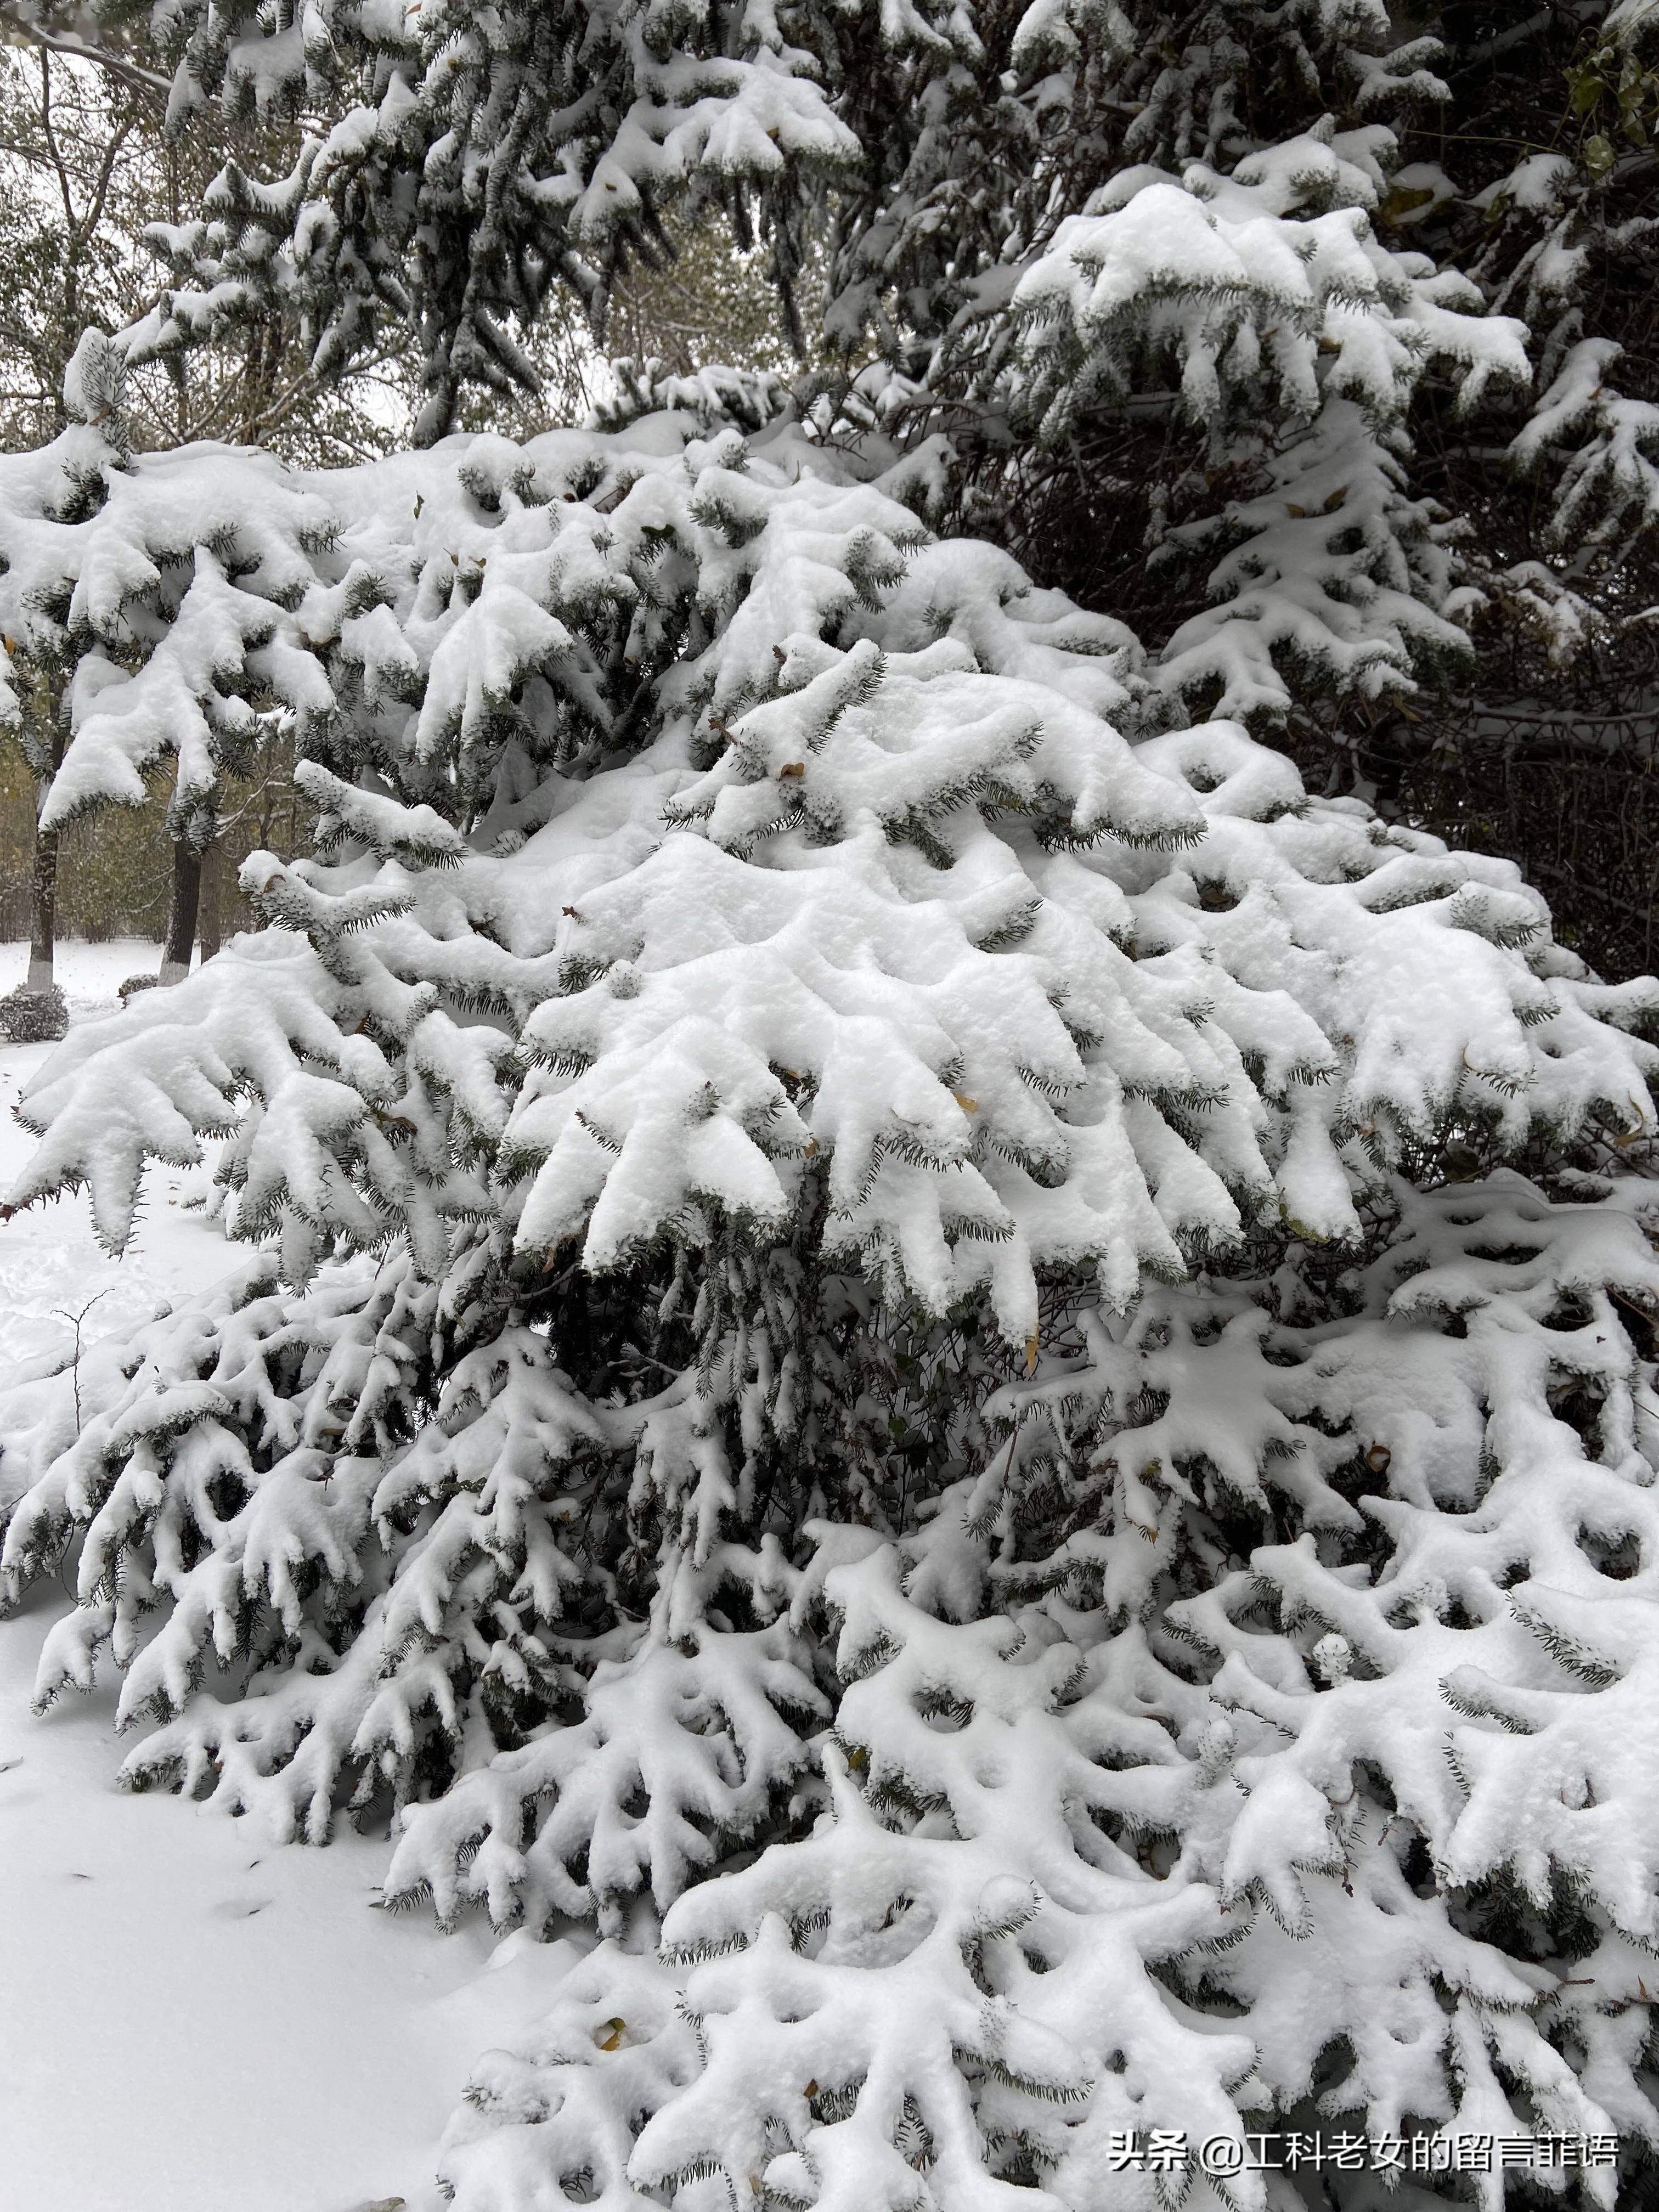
x: 141, y: 79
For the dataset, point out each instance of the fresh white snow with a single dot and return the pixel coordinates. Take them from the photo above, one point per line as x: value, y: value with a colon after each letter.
x: 192, y: 2019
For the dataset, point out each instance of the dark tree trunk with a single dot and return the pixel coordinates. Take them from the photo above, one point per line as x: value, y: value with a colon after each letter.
x: 211, y: 930
x: 261, y: 368
x: 43, y: 919
x: 181, y: 919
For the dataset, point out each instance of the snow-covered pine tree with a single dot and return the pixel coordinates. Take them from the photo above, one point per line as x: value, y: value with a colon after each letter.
x: 465, y: 166
x: 970, y: 185
x: 1271, y: 300
x: 1534, y: 178
x: 993, y: 298
x: 1081, y: 449
x: 147, y: 604
x: 1570, y: 245
x: 983, y: 1395
x: 33, y: 693
x: 1264, y: 522
x: 857, y: 1369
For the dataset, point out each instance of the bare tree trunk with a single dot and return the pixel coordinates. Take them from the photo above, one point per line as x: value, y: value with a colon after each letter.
x: 181, y: 920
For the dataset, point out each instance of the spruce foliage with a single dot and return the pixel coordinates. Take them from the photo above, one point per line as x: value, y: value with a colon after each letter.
x: 922, y: 1346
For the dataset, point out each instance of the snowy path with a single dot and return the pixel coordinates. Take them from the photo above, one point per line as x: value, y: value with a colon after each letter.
x: 190, y: 2019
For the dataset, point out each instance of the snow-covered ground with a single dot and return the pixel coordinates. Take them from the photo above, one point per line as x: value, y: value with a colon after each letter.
x: 192, y: 2019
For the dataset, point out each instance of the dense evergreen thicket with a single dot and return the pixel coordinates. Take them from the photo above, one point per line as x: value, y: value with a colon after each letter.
x: 925, y: 1339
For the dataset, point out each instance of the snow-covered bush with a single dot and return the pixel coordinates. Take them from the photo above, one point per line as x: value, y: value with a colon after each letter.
x: 34, y: 1017
x: 859, y: 1364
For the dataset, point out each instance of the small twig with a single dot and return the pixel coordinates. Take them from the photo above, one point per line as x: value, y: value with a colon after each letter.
x: 75, y: 1364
